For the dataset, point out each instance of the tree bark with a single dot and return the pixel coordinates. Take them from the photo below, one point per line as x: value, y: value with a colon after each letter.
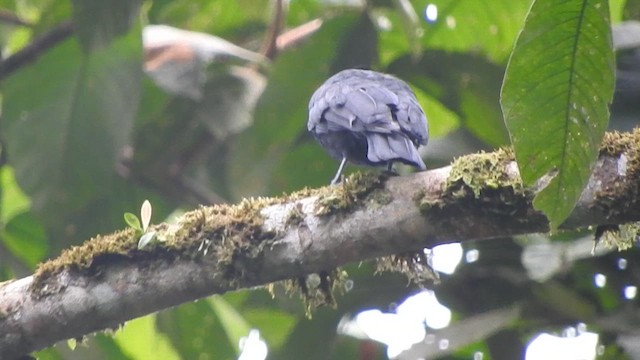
x: 211, y: 250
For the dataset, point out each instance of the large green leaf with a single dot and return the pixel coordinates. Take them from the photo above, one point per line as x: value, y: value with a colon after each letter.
x: 358, y: 47
x: 25, y: 237
x: 441, y: 120
x: 274, y: 323
x: 235, y: 326
x: 108, y: 345
x: 13, y: 200
x: 302, y: 11
x: 305, y: 164
x: 227, y: 19
x: 66, y: 120
x: 555, y: 97
x: 98, y: 22
x: 468, y: 85
x: 140, y: 339
x: 489, y: 27
x: 51, y: 13
x: 51, y: 353
x: 196, y: 332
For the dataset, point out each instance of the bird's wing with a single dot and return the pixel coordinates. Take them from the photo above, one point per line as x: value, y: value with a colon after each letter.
x: 409, y: 114
x: 381, y: 105
x: 355, y: 107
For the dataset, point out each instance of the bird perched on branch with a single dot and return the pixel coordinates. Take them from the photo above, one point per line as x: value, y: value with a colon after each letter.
x: 368, y: 118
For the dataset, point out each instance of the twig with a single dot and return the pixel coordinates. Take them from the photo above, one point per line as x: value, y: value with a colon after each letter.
x: 269, y: 48
x: 8, y: 17
x: 36, y: 48
x: 298, y: 34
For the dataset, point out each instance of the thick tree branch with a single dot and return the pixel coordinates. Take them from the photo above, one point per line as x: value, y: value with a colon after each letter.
x: 211, y: 250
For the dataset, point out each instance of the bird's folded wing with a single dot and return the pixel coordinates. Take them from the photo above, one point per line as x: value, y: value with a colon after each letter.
x: 364, y: 108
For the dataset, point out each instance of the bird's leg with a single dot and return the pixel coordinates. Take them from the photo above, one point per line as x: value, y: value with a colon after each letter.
x: 336, y: 179
x: 390, y: 169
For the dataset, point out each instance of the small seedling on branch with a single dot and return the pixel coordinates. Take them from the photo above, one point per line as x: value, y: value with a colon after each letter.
x: 142, y: 225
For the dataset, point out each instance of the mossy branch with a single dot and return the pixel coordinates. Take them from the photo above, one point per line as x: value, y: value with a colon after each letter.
x: 211, y: 250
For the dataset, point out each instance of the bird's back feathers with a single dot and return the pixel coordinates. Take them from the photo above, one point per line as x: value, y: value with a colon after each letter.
x: 367, y: 108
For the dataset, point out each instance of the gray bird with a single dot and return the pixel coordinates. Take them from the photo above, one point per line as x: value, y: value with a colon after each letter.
x: 368, y: 118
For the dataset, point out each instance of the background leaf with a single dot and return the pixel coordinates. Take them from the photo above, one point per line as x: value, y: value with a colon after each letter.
x: 140, y: 340
x: 487, y: 27
x: 13, y: 200
x: 468, y: 85
x: 26, y: 238
x: 99, y: 22
x: 233, y: 323
x: 66, y: 135
x: 194, y: 330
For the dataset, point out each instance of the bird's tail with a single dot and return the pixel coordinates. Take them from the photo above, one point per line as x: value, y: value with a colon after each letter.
x: 382, y: 148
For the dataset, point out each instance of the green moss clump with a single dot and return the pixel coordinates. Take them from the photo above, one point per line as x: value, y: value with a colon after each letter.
x: 482, y: 177
x: 622, y: 237
x: 615, y: 143
x: 347, y: 196
x: 623, y: 189
x: 484, y: 170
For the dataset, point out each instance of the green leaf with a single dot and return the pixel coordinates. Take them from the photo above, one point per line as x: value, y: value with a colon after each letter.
x: 133, y: 221
x: 393, y: 40
x: 275, y: 324
x: 98, y: 22
x: 13, y: 200
x: 71, y: 343
x: 25, y: 237
x: 555, y: 98
x: 195, y: 329
x: 441, y: 120
x: 358, y: 46
x: 488, y: 27
x: 51, y: 14
x: 52, y: 353
x: 617, y: 9
x: 65, y: 135
x: 318, y: 167
x: 146, y: 239
x: 232, y: 18
x: 234, y: 324
x: 141, y: 340
x: 467, y: 85
x: 108, y: 346
x: 302, y: 11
